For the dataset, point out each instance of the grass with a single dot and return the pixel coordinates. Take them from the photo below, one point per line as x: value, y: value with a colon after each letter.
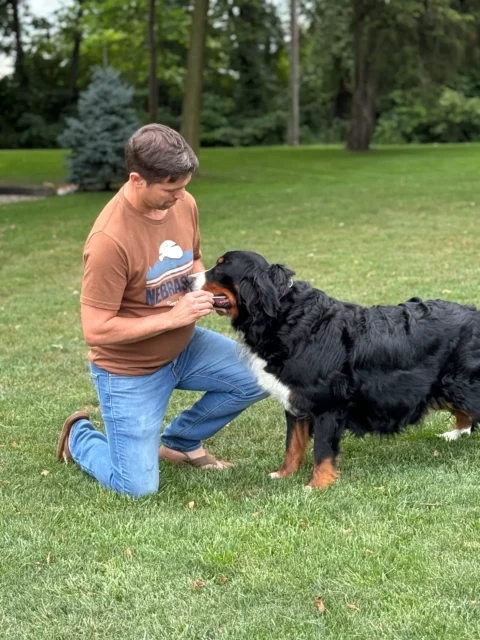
x: 392, y: 549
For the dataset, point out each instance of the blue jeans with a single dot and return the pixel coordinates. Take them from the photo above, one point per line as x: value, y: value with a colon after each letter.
x: 126, y: 458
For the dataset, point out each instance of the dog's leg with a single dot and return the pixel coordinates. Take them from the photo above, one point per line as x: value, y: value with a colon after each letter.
x: 298, y: 435
x: 328, y: 430
x: 463, y: 425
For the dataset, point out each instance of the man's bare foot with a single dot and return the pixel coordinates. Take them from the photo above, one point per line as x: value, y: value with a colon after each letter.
x: 198, y: 458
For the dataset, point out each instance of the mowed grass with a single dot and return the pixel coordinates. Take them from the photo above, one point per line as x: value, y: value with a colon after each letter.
x: 392, y: 549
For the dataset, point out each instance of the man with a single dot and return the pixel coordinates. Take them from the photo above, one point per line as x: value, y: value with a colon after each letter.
x: 140, y: 326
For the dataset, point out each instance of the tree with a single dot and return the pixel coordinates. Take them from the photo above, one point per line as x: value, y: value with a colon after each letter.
x: 19, y: 52
x: 293, y: 137
x: 152, y: 52
x: 97, y: 137
x: 192, y: 101
x: 390, y: 38
x: 75, y: 60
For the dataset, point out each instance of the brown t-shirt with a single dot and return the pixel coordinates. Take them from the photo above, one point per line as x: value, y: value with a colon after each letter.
x: 137, y: 266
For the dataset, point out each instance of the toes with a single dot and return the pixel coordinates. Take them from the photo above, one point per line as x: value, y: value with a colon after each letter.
x: 451, y: 435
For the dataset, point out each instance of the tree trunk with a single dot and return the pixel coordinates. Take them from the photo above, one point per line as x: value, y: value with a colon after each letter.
x: 192, y: 102
x: 152, y: 76
x: 294, y: 116
x: 74, y: 67
x: 362, y: 124
x: 19, y: 53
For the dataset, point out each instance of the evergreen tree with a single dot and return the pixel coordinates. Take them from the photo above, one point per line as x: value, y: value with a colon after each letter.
x: 97, y: 137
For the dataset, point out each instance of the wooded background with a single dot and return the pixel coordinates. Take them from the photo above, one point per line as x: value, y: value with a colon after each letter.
x: 228, y: 72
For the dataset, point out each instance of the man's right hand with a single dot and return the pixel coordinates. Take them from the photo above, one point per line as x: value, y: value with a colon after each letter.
x: 191, y: 307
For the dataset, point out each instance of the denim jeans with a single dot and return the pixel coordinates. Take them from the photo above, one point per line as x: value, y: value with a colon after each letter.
x: 126, y: 458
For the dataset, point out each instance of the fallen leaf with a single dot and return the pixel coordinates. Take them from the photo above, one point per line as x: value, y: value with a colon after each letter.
x: 431, y: 504
x: 368, y: 551
x: 473, y: 602
x: 304, y: 525
x: 49, y: 558
x: 2, y: 446
x: 255, y: 514
x: 14, y: 444
x: 44, y: 472
x: 128, y: 552
x: 379, y: 488
x: 221, y: 629
x: 347, y: 532
x: 223, y: 580
x: 38, y: 564
x: 197, y: 584
x: 436, y: 453
x: 353, y: 606
x: 446, y: 291
x: 191, y: 504
x: 320, y: 606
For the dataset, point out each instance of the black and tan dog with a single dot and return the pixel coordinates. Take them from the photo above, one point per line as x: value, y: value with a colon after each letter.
x: 336, y: 366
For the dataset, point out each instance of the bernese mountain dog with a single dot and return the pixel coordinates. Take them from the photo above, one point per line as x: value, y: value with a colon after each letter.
x: 335, y: 365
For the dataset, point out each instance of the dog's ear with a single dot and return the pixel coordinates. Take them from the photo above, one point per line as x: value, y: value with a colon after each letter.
x: 259, y: 293
x: 280, y: 276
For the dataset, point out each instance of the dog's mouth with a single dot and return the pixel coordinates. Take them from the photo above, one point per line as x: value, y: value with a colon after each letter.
x: 221, y: 302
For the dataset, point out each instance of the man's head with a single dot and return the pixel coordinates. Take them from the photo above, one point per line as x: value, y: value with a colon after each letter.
x: 160, y: 165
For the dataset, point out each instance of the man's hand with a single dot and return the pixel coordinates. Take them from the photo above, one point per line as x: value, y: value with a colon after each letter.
x: 190, y: 308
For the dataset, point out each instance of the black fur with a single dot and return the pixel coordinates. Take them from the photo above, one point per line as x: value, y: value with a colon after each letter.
x: 368, y: 369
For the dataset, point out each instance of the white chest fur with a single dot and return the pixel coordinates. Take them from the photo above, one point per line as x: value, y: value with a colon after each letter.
x: 268, y: 381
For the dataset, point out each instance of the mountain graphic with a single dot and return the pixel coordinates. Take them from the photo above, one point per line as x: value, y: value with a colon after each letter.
x: 172, y: 260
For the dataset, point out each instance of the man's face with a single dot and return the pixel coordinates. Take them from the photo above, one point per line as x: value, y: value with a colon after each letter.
x: 163, y: 195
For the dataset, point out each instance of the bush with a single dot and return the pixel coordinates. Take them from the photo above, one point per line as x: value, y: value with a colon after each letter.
x: 97, y: 137
x: 451, y: 117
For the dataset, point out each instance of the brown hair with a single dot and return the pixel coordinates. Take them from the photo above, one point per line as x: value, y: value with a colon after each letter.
x: 157, y: 152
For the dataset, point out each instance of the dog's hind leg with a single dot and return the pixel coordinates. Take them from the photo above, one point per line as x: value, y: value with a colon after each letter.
x: 298, y: 435
x: 328, y: 429
x: 463, y: 425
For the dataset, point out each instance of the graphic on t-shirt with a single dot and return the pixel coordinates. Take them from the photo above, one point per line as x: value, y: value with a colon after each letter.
x: 167, y: 276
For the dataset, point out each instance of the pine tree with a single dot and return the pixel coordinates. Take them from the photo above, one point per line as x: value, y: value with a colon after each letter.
x: 97, y: 138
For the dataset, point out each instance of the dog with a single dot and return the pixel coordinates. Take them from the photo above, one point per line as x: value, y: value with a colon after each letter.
x: 335, y: 365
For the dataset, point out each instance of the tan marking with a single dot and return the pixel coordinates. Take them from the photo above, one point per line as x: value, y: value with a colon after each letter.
x: 296, y: 450
x: 462, y: 419
x: 220, y: 260
x: 217, y: 290
x: 324, y: 474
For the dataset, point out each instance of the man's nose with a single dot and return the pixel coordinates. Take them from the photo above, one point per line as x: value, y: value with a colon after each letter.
x: 180, y: 195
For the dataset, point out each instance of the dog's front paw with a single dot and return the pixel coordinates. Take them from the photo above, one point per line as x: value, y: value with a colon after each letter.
x: 282, y: 473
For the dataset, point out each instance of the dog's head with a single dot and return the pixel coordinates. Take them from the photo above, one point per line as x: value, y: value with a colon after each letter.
x: 245, y: 285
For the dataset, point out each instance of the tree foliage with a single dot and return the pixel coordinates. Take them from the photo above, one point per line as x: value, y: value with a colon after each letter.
x: 381, y: 70
x: 97, y: 138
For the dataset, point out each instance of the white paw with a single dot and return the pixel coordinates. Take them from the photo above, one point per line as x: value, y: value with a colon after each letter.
x: 275, y: 475
x: 455, y: 434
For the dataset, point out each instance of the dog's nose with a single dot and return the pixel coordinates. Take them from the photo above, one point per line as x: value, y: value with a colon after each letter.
x: 189, y: 280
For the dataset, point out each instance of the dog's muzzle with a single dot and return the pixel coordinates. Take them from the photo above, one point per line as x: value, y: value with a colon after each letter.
x: 195, y: 281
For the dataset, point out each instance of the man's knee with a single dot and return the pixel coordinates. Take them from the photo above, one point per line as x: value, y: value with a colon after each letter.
x: 139, y: 487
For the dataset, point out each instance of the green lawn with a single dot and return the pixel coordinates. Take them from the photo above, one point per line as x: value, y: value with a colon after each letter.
x: 392, y: 549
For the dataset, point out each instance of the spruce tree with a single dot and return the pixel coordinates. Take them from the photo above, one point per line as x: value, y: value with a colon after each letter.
x: 97, y: 138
